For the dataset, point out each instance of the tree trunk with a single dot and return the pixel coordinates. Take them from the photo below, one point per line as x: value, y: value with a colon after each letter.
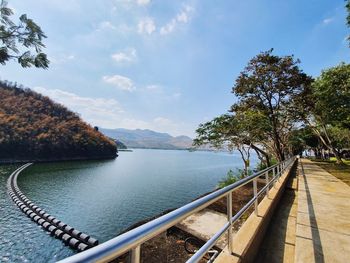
x: 258, y: 150
x: 337, y: 156
x: 328, y: 144
x: 334, y: 150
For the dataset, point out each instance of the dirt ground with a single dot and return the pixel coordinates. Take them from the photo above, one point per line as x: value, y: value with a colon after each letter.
x: 239, y: 198
x: 170, y: 246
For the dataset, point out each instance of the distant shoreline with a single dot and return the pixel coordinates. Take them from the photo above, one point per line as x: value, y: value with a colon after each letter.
x: 179, y: 149
x: 48, y: 160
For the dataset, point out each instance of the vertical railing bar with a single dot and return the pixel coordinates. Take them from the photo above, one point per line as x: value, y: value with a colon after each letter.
x: 229, y: 218
x: 267, y: 183
x: 255, y: 189
x: 281, y: 169
x: 136, y: 254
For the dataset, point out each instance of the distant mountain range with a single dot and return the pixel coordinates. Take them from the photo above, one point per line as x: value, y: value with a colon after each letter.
x: 148, y: 139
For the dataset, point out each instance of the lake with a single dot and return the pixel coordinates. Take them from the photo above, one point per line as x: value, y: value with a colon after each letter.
x: 103, y: 198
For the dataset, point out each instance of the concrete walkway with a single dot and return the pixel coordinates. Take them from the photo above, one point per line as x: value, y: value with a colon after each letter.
x: 278, y: 244
x: 323, y: 216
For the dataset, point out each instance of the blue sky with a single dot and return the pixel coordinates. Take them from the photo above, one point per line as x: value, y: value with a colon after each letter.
x: 170, y: 65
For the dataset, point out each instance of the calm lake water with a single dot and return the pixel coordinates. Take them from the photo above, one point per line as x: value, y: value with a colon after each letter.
x: 102, y: 198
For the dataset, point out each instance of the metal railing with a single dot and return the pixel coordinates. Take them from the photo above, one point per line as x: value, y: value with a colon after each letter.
x: 133, y: 239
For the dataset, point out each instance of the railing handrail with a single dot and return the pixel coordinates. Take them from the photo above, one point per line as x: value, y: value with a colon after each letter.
x: 132, y: 239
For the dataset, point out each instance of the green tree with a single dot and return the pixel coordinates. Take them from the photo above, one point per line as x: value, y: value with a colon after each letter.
x: 332, y: 96
x: 327, y: 108
x: 341, y: 137
x: 22, y: 42
x: 235, y: 132
x: 304, y: 138
x: 270, y: 86
x: 224, y: 132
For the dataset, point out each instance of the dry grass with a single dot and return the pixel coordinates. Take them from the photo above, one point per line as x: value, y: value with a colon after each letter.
x: 342, y: 172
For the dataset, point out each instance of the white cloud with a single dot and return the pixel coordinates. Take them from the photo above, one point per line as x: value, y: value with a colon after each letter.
x: 327, y: 21
x: 120, y: 82
x: 154, y: 87
x: 61, y: 58
x: 143, y: 2
x: 106, y: 25
x: 182, y: 17
x: 146, y: 26
x: 109, y: 26
x: 126, y: 56
x: 96, y: 111
x: 108, y: 113
x: 168, y: 28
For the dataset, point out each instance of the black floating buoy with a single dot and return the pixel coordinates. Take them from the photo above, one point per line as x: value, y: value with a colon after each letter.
x: 70, y: 236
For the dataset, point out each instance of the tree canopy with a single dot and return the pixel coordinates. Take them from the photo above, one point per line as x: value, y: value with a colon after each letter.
x: 269, y: 87
x: 22, y: 41
x: 280, y: 111
x: 332, y: 96
x: 326, y: 110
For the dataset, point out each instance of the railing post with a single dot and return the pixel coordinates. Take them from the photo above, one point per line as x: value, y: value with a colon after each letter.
x: 274, y: 172
x: 136, y: 254
x: 267, y: 183
x: 281, y: 169
x: 229, y: 218
x: 255, y: 189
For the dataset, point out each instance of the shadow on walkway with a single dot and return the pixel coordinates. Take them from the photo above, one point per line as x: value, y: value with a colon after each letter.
x: 316, y: 239
x: 279, y: 241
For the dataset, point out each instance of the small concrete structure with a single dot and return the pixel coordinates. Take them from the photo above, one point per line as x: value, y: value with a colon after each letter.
x: 204, y: 224
x: 323, y: 217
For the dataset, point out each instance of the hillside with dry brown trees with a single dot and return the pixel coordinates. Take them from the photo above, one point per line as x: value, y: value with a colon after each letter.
x: 33, y: 127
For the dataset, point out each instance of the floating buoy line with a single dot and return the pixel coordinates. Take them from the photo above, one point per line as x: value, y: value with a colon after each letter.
x: 58, y: 229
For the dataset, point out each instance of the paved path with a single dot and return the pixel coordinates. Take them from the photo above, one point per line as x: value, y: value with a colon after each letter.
x: 278, y: 244
x: 323, y: 216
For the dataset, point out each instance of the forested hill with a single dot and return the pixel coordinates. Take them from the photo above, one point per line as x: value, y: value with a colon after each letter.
x: 33, y: 127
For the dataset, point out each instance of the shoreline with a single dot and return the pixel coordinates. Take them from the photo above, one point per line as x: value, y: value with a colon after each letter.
x: 48, y: 160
